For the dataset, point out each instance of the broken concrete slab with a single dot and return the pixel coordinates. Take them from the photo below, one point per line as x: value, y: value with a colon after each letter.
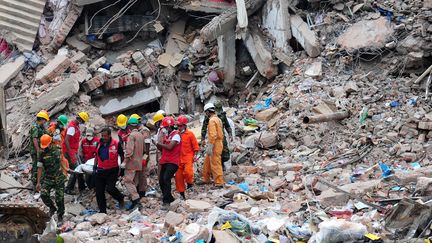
x: 366, y: 34
x: 227, y: 21
x: 314, y: 70
x: 266, y: 115
x: 54, y: 68
x: 76, y: 43
x: 304, y: 36
x: 7, y: 181
x: 225, y: 236
x: 171, y: 104
x: 197, y: 206
x: 276, y: 19
x: 263, y: 140
x: 262, y: 57
x: 173, y: 219
x: 96, y: 64
x: 227, y: 56
x: 87, y: 2
x: 10, y: 70
x: 57, y: 96
x: 239, y: 207
x: 128, y: 100
x: 146, y: 68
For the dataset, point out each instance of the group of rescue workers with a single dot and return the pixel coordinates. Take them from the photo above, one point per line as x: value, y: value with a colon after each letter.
x: 58, y: 148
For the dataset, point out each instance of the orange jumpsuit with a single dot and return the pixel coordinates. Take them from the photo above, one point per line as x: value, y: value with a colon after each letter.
x: 64, y: 162
x: 185, y: 171
x: 213, y: 162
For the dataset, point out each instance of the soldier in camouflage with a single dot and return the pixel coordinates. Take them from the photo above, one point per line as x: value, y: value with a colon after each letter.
x: 53, y: 177
x: 36, y: 131
x: 222, y: 115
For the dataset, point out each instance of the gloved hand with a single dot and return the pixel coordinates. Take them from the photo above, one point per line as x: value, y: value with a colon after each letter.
x: 209, y: 149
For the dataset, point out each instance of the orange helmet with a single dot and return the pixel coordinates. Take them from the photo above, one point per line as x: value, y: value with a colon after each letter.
x: 182, y: 120
x: 167, y: 122
x: 45, y: 141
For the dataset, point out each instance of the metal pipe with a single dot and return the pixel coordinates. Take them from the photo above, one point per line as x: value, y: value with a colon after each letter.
x: 326, y: 117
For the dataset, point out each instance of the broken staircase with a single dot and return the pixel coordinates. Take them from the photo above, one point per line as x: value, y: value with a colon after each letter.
x: 22, y: 18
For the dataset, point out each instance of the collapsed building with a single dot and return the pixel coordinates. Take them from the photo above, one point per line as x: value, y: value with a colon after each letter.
x: 330, y: 101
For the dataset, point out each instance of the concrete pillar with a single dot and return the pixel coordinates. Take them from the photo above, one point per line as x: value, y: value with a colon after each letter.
x: 227, y: 56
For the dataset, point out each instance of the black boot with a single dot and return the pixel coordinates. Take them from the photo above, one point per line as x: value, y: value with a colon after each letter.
x: 142, y: 194
x: 182, y: 194
x: 135, y: 204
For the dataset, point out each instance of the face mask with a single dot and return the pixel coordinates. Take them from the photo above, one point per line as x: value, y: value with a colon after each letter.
x: 89, y: 138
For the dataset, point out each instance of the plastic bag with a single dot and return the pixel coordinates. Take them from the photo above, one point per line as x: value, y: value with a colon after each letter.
x: 338, y: 231
x: 240, y: 224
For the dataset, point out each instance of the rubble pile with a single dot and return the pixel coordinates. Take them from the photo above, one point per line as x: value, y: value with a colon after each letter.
x: 330, y: 104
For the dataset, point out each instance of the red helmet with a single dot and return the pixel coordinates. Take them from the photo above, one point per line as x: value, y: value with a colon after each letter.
x: 182, y: 120
x: 167, y: 122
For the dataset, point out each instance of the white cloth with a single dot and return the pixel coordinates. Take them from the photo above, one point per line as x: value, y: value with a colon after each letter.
x: 71, y: 131
x: 176, y: 138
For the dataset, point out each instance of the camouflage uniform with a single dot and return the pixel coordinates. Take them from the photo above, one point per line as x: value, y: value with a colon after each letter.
x: 52, y: 179
x: 222, y: 115
x: 36, y: 131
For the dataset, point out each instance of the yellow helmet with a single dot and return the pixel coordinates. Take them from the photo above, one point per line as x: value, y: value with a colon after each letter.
x: 43, y: 114
x: 158, y: 117
x: 84, y: 116
x: 122, y: 120
x: 135, y: 116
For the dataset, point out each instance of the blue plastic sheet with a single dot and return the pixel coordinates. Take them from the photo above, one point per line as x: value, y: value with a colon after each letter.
x: 266, y: 105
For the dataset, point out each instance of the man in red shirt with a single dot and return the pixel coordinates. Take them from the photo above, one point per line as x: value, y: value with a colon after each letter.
x: 70, y: 150
x: 170, y: 146
x: 88, y: 151
x: 106, y: 169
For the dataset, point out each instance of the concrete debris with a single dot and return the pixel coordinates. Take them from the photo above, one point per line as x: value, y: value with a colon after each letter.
x: 54, y: 68
x: 331, y: 128
x: 128, y: 100
x: 366, y: 34
x: 306, y: 37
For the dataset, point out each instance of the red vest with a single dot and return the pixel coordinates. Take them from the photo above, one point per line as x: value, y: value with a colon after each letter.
x: 75, y: 139
x: 89, y: 148
x: 173, y: 156
x: 112, y: 161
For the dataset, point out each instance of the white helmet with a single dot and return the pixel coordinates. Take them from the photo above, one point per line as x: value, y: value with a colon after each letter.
x: 161, y: 112
x: 209, y: 106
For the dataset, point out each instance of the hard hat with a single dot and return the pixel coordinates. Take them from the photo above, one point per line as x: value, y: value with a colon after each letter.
x: 121, y: 120
x: 84, y: 116
x: 218, y: 105
x: 89, y: 131
x: 161, y: 112
x: 209, y: 106
x: 133, y: 121
x: 136, y: 116
x: 182, y: 120
x: 45, y: 141
x: 158, y: 117
x: 63, y: 119
x: 167, y: 122
x: 43, y: 114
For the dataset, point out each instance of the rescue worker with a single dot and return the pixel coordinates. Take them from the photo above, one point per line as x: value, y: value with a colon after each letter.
x: 70, y: 149
x: 170, y: 145
x: 124, y: 131
x: 52, y: 178
x: 157, y: 121
x: 36, y: 131
x: 147, y: 141
x: 189, y: 150
x: 106, y: 169
x: 212, y: 163
x: 89, y: 145
x: 133, y: 162
x: 57, y: 131
x: 226, y: 126
x: 88, y: 151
